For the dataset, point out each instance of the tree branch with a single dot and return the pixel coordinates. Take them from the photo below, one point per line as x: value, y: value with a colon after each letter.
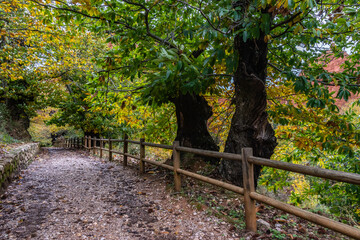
x: 203, y: 14
x: 130, y: 90
x: 275, y: 67
x: 150, y: 34
x: 118, y: 68
x: 319, y: 81
x: 219, y: 75
x: 285, y: 21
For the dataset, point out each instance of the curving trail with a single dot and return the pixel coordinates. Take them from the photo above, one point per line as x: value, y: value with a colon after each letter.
x: 71, y: 195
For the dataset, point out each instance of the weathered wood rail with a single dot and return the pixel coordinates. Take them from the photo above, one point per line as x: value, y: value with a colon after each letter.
x: 248, y: 161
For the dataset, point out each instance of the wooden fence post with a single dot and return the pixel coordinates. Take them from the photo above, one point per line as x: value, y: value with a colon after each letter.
x: 110, y: 150
x: 85, y: 142
x: 82, y: 142
x: 89, y: 144
x: 176, y: 158
x: 101, y: 147
x: 249, y: 186
x: 94, y: 145
x: 125, y: 149
x: 142, y: 156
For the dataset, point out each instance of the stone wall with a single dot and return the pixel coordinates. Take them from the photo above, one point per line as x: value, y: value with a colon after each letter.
x: 11, y: 163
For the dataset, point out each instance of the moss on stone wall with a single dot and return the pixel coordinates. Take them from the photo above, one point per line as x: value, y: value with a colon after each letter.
x: 18, y: 158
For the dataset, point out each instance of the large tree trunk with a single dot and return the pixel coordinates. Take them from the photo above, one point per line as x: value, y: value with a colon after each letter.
x: 192, y: 113
x: 249, y: 125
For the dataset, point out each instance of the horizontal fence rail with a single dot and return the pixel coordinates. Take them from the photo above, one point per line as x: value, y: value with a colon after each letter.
x: 117, y: 140
x: 307, y: 170
x: 207, y: 153
x: 132, y: 141
x: 212, y: 181
x: 312, y: 217
x: 248, y: 162
x: 157, y: 145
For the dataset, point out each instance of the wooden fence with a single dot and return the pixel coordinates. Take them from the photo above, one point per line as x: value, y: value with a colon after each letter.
x: 73, y: 143
x: 248, y: 161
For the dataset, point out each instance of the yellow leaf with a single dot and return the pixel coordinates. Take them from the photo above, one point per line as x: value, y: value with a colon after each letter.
x: 298, y: 29
x: 267, y: 38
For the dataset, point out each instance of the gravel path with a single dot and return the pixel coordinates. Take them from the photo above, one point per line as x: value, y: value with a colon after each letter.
x: 71, y: 195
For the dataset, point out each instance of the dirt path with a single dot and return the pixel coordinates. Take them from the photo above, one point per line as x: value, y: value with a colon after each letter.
x: 70, y: 195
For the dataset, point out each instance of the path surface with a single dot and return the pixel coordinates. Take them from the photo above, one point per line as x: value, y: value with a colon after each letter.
x: 71, y: 195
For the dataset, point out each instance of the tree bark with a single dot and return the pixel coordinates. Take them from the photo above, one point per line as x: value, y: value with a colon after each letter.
x: 192, y: 113
x: 249, y: 125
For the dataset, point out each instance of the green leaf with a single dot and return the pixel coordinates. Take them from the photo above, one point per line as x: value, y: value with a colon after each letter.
x: 245, y: 36
x: 291, y: 3
x: 168, y: 73
x: 179, y: 66
x: 220, y: 54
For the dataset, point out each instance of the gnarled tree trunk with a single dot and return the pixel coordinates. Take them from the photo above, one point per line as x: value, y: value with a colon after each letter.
x: 249, y: 125
x: 192, y: 113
